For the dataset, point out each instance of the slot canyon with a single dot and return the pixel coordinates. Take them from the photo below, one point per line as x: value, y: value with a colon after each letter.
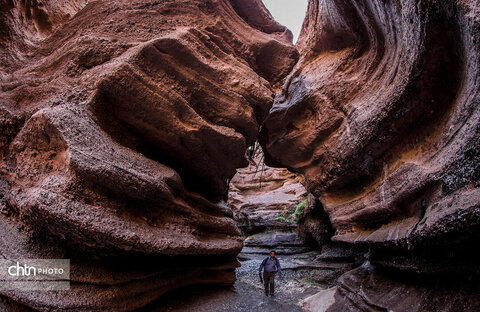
x: 165, y: 147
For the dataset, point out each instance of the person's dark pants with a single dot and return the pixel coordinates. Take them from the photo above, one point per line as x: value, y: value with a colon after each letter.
x: 269, y: 281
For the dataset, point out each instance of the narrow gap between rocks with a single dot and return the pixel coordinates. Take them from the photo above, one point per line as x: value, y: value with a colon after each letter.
x: 270, y: 207
x: 288, y: 13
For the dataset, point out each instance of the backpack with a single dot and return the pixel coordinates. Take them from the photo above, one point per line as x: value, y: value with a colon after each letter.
x: 276, y: 262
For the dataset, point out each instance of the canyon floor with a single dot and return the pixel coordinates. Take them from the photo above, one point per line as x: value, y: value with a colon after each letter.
x: 247, y: 293
x: 305, y: 272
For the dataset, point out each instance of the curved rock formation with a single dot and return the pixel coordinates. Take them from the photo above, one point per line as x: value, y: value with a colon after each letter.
x: 121, y: 124
x: 381, y: 114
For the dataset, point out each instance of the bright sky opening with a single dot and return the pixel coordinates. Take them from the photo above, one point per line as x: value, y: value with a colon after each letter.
x: 290, y: 13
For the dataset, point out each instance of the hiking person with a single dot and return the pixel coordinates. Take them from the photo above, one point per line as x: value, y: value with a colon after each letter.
x: 271, y: 266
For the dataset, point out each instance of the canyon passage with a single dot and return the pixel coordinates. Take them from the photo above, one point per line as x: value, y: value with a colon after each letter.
x: 165, y: 147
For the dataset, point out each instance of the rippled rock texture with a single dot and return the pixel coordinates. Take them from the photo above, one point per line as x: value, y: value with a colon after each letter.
x: 121, y: 123
x: 381, y: 114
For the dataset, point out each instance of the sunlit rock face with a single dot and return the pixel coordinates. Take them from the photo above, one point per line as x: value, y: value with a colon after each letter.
x: 381, y: 114
x: 121, y: 124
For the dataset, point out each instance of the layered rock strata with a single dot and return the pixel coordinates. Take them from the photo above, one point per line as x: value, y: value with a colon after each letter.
x: 264, y: 198
x: 367, y: 288
x: 121, y: 124
x: 381, y: 115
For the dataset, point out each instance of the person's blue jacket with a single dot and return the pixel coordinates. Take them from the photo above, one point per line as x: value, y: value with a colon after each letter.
x: 270, y: 265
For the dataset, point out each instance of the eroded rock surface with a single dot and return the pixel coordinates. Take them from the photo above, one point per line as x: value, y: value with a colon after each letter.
x: 264, y: 198
x: 121, y: 123
x: 381, y: 114
x: 367, y: 289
